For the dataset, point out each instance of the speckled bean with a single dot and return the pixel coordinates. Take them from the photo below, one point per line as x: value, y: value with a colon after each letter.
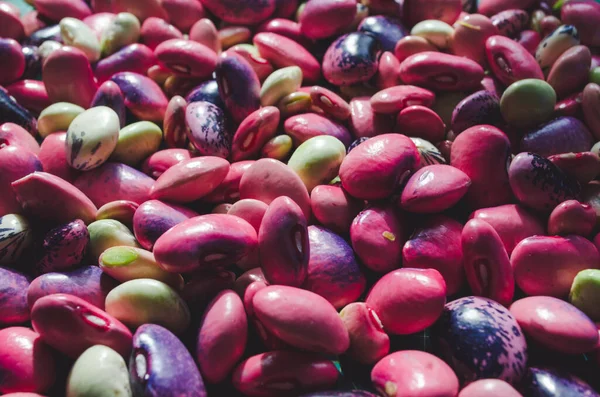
x: 109, y: 94
x: 482, y: 107
x: 352, y: 58
x: 208, y: 129
x: 13, y: 293
x: 143, y: 97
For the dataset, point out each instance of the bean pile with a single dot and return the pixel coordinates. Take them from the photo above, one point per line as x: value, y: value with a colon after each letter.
x: 272, y: 198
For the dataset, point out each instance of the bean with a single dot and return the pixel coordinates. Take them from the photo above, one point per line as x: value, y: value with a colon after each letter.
x: 368, y: 341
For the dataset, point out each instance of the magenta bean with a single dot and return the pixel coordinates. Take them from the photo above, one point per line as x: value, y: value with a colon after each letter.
x: 142, y: 11
x: 483, y: 152
x: 156, y: 164
x: 570, y: 71
x: 394, y: 99
x: 174, y: 126
x: 444, y: 72
x: 143, y: 97
x: 511, y: 22
x: 482, y: 107
x: 252, y: 211
x: 547, y: 265
x: 88, y: 283
x: 13, y: 294
x: 491, y: 7
x: 392, y: 375
x: 487, y: 266
x: 572, y: 217
x: 252, y: 134
x: 351, y: 59
x: 330, y: 103
x: 15, y: 135
x: 186, y: 58
x: 228, y: 190
x: 113, y: 182
x: 570, y: 106
x: 436, y: 244
x: 470, y: 34
x: 387, y: 71
x: 368, y: 341
x: 53, y: 157
x: 315, y: 325
x: 325, y: 18
x: 589, y: 103
x: 31, y: 94
x: 135, y: 58
x: 203, y: 242
x: 561, y: 135
x: 285, y: 27
x: 510, y: 61
x: 15, y: 163
x: 420, y: 122
x: 445, y: 10
x: 109, y: 94
x: 388, y: 30
x: 10, y: 24
x: 13, y: 112
x: 222, y: 336
x: 190, y: 180
x: 555, y: 324
x: 331, y: 257
x: 24, y: 353
x: 364, y: 122
x: 434, y: 188
x: 584, y: 16
x: 268, y: 179
x: 583, y: 166
x: 238, y: 85
x: 530, y: 40
x: 408, y: 300
x: 283, y: 243
x: 266, y: 374
x: 208, y: 129
x: 183, y: 13
x: 204, y: 286
x: 156, y: 30
x: 13, y: 64
x: 334, y: 208
x: 377, y: 235
x: 55, y: 10
x: 539, y: 184
x: 153, y: 218
x: 52, y: 198
x: 64, y: 247
x: 512, y: 222
x: 68, y: 77
x: 246, y: 13
x: 302, y: 127
x: 71, y: 325
x: 282, y: 52
x: 375, y: 168
x: 247, y: 278
x: 489, y: 388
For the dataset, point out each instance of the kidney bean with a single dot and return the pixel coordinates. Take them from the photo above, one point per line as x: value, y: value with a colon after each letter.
x: 444, y: 10
x: 325, y: 18
x: 351, y: 59
x: 315, y: 325
x: 482, y: 107
x: 87, y: 325
x: 510, y: 61
x: 266, y: 374
x: 368, y: 341
x: 570, y: 71
x: 420, y: 122
x: 143, y: 97
x: 390, y: 375
x: 489, y: 387
x: 24, y: 351
x: 470, y: 34
x: 10, y: 24
x: 532, y: 259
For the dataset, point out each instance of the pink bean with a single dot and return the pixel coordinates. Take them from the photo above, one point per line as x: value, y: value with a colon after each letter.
x: 489, y: 388
x: 31, y: 94
x: 334, y: 208
x: 222, y: 336
x: 159, y: 162
x: 324, y: 18
x: 487, y: 266
x: 55, y: 10
x: 24, y: 353
x: 10, y: 25
x: 13, y: 64
x: 582, y: 166
x: 394, y: 99
x: 411, y: 45
x: 408, y: 300
x: 183, y: 13
x: 572, y: 217
x: 364, y: 122
x: 368, y: 341
x: 510, y: 61
x: 547, y: 265
x: 252, y: 134
x: 72, y: 325
x: 420, y: 122
x: 14, y: 135
x: 445, y: 10
x: 470, y: 35
x: 155, y: 31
